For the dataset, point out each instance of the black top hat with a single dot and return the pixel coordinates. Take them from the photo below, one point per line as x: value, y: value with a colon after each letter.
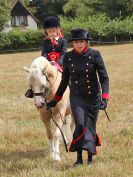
x: 79, y: 34
x: 51, y: 22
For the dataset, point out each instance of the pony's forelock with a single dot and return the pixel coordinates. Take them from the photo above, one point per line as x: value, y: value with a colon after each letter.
x: 35, y: 73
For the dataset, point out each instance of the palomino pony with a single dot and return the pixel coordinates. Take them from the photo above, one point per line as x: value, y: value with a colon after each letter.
x: 42, y: 77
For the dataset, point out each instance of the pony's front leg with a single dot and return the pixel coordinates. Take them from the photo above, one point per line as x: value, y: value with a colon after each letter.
x: 57, y: 150
x: 57, y: 138
x: 51, y: 139
x: 52, y: 148
x: 47, y: 123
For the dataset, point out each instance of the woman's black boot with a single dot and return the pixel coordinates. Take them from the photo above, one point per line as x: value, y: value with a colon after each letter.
x: 89, y: 159
x: 79, y: 159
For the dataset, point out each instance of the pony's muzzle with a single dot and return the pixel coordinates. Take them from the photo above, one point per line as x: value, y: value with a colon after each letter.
x: 39, y: 106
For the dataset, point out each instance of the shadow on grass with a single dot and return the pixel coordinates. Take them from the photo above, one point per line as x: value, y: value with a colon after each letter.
x: 18, y: 160
x: 28, y: 154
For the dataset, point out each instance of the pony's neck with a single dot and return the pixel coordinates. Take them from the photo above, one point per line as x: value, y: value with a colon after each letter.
x: 52, y: 73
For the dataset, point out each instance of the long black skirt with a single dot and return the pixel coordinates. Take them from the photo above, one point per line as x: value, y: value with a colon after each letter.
x: 85, y: 113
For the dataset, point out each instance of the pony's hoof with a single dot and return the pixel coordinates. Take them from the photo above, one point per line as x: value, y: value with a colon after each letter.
x: 57, y: 159
x: 52, y: 155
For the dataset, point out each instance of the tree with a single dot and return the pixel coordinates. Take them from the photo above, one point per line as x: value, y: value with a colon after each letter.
x: 128, y: 26
x: 118, y: 8
x: 112, y: 8
x: 5, y: 7
x: 27, y: 3
x: 83, y: 7
x: 47, y: 7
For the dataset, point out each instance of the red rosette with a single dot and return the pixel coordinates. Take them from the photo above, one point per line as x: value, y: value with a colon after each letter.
x: 53, y: 56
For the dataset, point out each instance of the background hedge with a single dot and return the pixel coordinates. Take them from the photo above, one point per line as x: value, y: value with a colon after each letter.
x: 100, y: 27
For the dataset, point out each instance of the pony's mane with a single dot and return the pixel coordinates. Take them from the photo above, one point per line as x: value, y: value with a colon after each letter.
x: 40, y: 62
x: 37, y: 67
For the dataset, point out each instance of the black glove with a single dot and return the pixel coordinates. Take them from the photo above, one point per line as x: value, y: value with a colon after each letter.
x: 29, y: 93
x: 103, y: 104
x: 52, y: 103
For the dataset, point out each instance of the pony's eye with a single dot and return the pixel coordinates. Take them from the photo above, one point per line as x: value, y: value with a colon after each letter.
x: 42, y: 87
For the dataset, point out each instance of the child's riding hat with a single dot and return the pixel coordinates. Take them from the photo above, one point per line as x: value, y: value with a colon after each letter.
x: 51, y: 22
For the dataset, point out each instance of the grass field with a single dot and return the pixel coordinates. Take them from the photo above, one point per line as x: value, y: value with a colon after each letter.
x: 23, y: 143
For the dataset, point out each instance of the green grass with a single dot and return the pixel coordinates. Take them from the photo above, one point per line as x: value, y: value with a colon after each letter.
x: 23, y: 142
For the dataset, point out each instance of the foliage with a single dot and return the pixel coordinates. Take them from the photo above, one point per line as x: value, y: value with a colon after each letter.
x: 47, y: 7
x: 113, y: 8
x: 17, y: 39
x: 4, y: 13
x: 78, y: 8
x: 99, y: 26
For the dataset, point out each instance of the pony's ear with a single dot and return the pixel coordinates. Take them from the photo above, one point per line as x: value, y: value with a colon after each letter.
x: 26, y: 69
x: 44, y: 70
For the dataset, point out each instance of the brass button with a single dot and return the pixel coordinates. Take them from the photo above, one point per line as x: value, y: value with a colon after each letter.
x: 86, y: 70
x: 87, y: 75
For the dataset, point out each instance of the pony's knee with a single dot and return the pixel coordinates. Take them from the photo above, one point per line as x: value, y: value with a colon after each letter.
x: 57, y: 134
x: 50, y: 136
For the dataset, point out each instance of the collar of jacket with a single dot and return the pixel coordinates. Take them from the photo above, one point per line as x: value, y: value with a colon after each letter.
x: 85, y: 50
x: 60, y: 35
x: 55, y: 40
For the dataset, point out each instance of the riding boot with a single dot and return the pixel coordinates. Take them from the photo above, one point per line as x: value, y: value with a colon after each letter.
x: 79, y: 159
x: 89, y: 161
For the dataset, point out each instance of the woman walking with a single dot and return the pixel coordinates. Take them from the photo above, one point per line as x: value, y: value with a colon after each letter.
x: 85, y: 68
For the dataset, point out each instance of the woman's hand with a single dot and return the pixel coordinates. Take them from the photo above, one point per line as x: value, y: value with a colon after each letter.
x: 103, y: 104
x: 52, y: 103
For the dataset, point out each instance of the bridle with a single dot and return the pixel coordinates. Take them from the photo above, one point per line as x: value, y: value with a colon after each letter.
x: 47, y: 91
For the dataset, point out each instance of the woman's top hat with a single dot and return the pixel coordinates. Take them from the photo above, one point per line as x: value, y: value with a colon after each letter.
x: 79, y: 34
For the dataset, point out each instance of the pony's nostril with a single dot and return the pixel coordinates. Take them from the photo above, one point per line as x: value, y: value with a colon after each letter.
x: 40, y: 105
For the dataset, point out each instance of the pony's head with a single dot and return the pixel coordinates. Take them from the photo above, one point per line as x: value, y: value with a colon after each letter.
x: 38, y: 82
